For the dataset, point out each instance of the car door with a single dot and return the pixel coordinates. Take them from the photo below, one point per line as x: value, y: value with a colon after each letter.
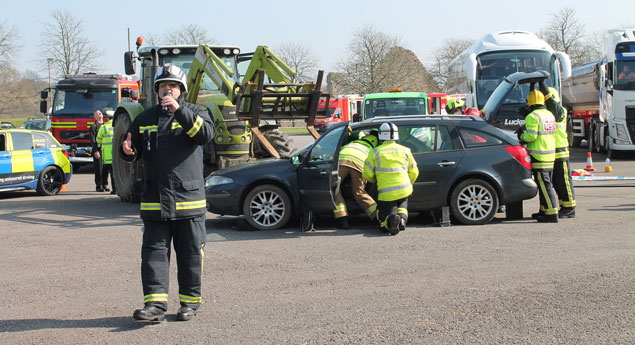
x: 317, y: 175
x: 40, y: 152
x: 5, y: 160
x: 438, y: 156
x: 22, y: 163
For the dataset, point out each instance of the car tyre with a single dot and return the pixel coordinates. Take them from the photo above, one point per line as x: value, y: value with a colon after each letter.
x: 50, y: 181
x: 474, y: 202
x: 267, y: 207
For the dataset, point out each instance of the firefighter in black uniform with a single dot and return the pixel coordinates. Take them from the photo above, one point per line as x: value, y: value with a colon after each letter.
x: 169, y: 138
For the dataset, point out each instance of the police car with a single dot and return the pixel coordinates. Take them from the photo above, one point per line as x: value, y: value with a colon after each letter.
x: 31, y: 159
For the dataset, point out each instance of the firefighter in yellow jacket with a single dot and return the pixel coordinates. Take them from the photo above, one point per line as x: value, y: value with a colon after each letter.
x: 562, y: 181
x: 540, y: 136
x: 394, y: 169
x: 104, y: 140
x: 351, y: 163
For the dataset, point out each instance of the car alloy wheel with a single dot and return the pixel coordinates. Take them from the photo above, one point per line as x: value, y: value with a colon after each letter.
x: 474, y: 202
x: 267, y: 207
x: 50, y: 181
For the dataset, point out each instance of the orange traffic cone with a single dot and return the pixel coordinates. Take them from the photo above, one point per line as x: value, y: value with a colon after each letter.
x: 589, y: 163
x: 63, y: 189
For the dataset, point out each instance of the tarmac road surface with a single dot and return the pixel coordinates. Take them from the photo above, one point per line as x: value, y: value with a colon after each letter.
x: 69, y: 274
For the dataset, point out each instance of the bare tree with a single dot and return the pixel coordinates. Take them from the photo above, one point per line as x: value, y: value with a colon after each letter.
x: 8, y: 43
x: 18, y: 94
x: 62, y: 41
x: 360, y: 70
x: 299, y: 58
x: 565, y: 33
x: 442, y: 56
x: 151, y: 39
x: 190, y: 34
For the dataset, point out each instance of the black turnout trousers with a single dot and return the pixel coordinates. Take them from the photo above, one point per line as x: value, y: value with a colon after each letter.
x: 188, y: 236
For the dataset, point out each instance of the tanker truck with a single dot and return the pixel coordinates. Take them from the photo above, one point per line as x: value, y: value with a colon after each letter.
x: 600, y: 97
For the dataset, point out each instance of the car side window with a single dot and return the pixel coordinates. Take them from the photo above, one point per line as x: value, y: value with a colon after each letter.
x: 22, y: 141
x: 39, y: 141
x: 3, y: 146
x: 444, y: 140
x: 418, y: 139
x: 326, y: 146
x: 424, y: 139
x: 476, y: 138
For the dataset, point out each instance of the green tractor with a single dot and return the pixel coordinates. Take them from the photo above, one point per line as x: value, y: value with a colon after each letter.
x: 245, y: 108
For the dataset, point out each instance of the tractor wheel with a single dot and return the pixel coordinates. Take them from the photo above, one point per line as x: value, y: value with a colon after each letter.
x: 280, y: 142
x: 124, y: 173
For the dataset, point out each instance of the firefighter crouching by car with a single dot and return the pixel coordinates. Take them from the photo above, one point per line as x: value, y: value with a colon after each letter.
x: 540, y: 137
x: 394, y: 169
x: 562, y: 181
x: 351, y: 163
x: 169, y: 137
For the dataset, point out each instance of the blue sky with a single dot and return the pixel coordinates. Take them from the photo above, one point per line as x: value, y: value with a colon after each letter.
x: 325, y: 26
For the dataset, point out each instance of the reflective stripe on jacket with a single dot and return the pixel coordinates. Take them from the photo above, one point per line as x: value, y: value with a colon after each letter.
x: 393, y: 168
x: 104, y: 139
x: 540, y: 135
x: 354, y: 154
x: 171, y: 147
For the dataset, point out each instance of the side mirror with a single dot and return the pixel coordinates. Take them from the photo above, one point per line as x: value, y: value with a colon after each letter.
x: 356, y: 117
x: 134, y: 94
x: 129, y: 63
x: 44, y: 107
x: 125, y: 92
x: 44, y: 94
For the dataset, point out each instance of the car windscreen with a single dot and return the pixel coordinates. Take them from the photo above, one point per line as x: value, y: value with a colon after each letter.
x: 83, y: 103
x: 376, y: 107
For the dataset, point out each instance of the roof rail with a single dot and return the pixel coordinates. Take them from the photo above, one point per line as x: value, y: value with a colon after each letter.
x: 432, y: 116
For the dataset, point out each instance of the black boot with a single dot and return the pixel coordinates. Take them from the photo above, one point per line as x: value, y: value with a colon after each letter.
x: 548, y: 219
x: 106, y: 189
x: 402, y: 224
x: 393, y: 224
x: 537, y: 214
x: 566, y: 212
x: 149, y: 313
x: 99, y: 189
x: 342, y: 223
x: 185, y: 314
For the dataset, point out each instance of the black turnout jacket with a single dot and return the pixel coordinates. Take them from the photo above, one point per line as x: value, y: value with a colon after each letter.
x: 171, y: 146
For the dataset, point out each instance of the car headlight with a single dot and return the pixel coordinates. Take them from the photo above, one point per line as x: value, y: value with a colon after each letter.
x: 217, y: 180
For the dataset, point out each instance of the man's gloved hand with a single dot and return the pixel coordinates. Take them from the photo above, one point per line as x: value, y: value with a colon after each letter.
x: 519, y: 134
x: 523, y: 111
x: 543, y: 88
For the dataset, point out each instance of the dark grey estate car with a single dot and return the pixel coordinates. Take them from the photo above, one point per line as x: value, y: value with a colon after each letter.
x: 464, y: 163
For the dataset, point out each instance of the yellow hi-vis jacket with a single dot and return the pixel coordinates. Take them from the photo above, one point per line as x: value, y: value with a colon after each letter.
x: 394, y: 170
x: 560, y: 113
x: 354, y: 154
x: 540, y: 135
x: 104, y: 139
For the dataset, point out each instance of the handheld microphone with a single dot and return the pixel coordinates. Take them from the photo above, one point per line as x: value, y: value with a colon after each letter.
x: 165, y: 107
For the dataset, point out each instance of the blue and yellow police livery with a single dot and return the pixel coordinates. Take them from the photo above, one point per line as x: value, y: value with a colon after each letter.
x: 31, y: 159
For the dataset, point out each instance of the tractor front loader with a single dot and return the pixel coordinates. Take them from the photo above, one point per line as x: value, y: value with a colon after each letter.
x: 244, y: 110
